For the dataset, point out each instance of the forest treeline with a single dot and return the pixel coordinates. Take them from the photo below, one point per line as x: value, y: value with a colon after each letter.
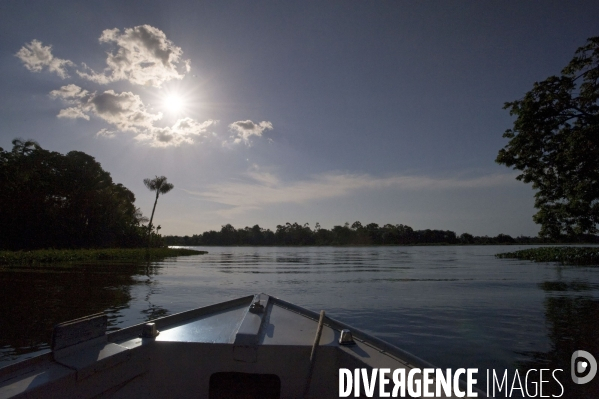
x: 356, y: 234
x: 51, y: 200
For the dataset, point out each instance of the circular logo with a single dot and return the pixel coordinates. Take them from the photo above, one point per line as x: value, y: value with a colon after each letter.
x: 588, y: 365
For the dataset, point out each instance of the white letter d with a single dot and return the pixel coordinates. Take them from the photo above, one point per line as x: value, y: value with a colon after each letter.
x: 345, y: 383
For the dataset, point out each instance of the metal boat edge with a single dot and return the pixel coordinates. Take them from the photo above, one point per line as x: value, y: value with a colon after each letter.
x: 247, y: 339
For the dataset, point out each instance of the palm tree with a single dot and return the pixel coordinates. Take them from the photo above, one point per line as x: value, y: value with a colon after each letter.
x: 160, y: 185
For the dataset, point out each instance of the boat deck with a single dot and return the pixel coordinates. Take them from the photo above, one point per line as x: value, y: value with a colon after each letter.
x: 256, y: 344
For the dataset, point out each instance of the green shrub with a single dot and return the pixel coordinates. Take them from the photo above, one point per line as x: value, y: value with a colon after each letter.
x: 563, y: 255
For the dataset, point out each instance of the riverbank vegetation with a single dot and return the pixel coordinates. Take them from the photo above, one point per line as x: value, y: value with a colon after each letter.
x: 356, y: 234
x: 84, y: 255
x: 564, y: 255
x: 51, y: 200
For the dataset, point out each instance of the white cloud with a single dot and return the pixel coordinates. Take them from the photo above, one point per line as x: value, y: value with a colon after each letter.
x: 36, y: 57
x: 70, y: 93
x: 124, y: 110
x: 143, y: 56
x: 127, y: 112
x: 72, y: 113
x: 264, y: 189
x: 185, y: 130
x: 106, y: 133
x: 245, y: 129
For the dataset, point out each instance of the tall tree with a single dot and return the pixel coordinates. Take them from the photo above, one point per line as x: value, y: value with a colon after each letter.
x: 53, y: 200
x: 161, y: 186
x: 555, y: 143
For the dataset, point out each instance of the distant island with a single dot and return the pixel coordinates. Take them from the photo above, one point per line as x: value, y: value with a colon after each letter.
x: 294, y: 234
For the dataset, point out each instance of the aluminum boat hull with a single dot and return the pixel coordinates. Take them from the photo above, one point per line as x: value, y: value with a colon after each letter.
x: 223, y: 350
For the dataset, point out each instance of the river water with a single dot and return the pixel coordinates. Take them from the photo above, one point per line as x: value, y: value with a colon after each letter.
x: 454, y: 306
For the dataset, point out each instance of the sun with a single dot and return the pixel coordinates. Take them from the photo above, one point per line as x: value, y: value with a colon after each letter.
x: 174, y: 103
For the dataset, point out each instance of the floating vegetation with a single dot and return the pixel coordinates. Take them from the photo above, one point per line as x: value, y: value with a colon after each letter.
x: 563, y: 255
x: 79, y: 255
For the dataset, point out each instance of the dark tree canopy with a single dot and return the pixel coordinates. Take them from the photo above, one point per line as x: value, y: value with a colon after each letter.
x: 357, y: 234
x: 555, y: 144
x: 50, y: 200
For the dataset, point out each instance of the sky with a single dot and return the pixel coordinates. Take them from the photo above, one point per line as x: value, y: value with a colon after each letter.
x: 267, y: 112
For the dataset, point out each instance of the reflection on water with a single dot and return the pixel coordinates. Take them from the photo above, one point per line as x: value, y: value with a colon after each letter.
x: 565, y: 286
x: 453, y: 306
x: 573, y: 324
x: 34, y: 299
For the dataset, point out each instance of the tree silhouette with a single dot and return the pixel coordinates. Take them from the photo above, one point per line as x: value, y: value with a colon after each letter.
x: 554, y: 143
x: 24, y: 147
x: 51, y: 200
x: 161, y: 186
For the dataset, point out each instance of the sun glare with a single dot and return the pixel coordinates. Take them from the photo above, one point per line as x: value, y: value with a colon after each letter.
x: 174, y: 103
